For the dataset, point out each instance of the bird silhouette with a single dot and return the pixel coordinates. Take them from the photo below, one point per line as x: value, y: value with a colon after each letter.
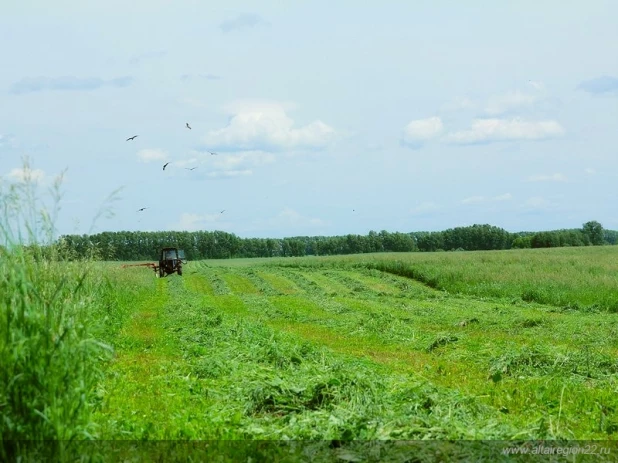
x: 142, y: 209
x: 188, y: 126
x: 132, y: 138
x: 213, y: 154
x: 222, y: 211
x: 191, y: 168
x: 165, y: 165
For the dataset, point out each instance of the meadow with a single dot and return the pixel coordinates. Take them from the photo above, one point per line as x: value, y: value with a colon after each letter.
x: 515, y: 345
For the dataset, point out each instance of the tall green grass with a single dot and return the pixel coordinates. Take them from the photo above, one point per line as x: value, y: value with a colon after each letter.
x: 50, y: 306
x: 578, y: 278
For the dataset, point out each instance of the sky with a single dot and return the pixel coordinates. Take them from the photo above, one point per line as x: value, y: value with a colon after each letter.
x: 326, y: 118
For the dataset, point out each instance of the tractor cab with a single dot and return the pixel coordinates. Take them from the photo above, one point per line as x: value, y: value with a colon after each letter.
x: 171, y: 261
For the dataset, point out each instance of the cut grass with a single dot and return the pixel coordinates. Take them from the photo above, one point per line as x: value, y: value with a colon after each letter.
x: 256, y: 382
x: 257, y: 341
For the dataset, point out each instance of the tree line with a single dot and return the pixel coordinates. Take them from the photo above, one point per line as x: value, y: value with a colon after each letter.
x: 138, y: 245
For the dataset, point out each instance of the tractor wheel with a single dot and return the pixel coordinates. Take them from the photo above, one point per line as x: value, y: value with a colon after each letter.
x: 180, y: 270
x: 161, y: 272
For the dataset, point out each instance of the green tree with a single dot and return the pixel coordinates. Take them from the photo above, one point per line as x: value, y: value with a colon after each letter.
x: 522, y: 242
x: 594, y: 231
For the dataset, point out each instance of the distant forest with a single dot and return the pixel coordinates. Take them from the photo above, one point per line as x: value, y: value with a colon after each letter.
x: 133, y: 246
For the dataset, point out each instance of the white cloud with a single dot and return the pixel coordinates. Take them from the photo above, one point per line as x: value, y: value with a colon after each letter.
x: 421, y: 130
x: 510, y: 101
x: 473, y: 199
x: 558, y: 177
x: 226, y: 164
x: 424, y: 129
x: 504, y: 197
x: 263, y: 125
x: 227, y: 161
x: 150, y: 155
x: 26, y: 174
x: 489, y: 130
x: 194, y: 222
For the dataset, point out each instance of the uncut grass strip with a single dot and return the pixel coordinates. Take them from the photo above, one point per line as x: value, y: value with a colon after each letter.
x: 278, y: 281
x: 264, y: 286
x: 332, y: 286
x: 354, y: 285
x: 200, y: 284
x: 375, y: 281
x: 300, y: 279
x: 319, y: 289
x: 238, y: 283
x: 401, y: 285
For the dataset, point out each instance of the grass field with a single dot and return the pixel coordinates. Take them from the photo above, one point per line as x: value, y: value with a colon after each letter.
x: 330, y: 349
x: 509, y: 345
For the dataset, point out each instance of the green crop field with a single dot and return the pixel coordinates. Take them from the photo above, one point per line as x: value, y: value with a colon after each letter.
x: 500, y: 345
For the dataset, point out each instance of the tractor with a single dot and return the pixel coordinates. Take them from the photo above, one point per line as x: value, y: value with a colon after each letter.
x: 170, y: 261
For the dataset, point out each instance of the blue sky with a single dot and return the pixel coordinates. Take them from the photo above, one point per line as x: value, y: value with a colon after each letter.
x: 327, y: 118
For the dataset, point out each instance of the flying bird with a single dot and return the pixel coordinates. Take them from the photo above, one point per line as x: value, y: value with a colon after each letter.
x: 188, y: 126
x: 165, y: 165
x: 191, y: 168
x: 213, y: 154
x: 132, y: 138
x: 222, y: 211
x: 142, y: 209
